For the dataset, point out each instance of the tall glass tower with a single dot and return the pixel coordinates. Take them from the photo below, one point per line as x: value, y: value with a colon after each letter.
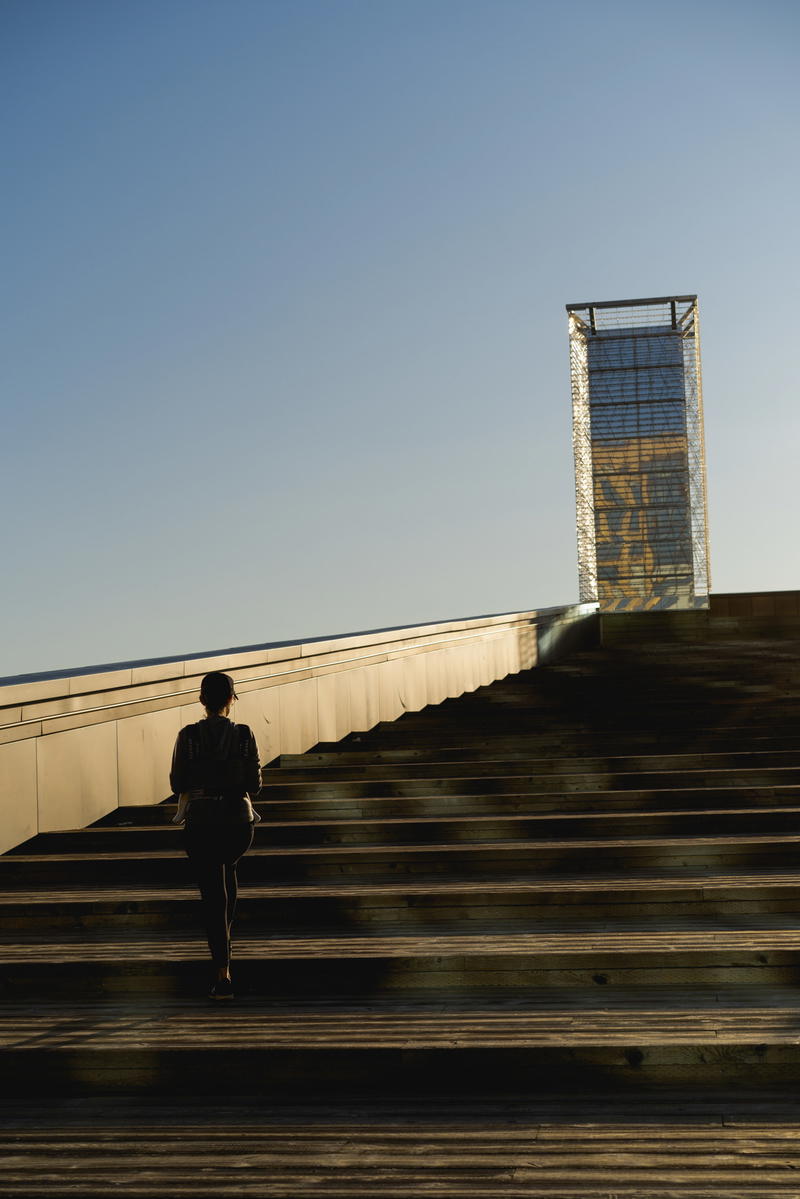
x: 640, y: 477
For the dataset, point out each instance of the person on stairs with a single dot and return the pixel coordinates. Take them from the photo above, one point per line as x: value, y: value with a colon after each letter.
x: 215, y: 772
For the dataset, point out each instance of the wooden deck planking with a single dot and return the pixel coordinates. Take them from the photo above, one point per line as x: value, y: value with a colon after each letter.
x: 708, y: 880
x: 760, y: 936
x: 163, y: 1028
x: 731, y: 1152
x: 384, y: 849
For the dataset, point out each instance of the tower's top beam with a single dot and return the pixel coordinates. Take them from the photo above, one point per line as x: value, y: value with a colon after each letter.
x: 631, y: 303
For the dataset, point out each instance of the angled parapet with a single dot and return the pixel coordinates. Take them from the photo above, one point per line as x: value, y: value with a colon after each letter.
x: 639, y: 454
x: 74, y: 745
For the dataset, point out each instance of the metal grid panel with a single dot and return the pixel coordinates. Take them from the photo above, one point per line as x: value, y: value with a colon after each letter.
x: 639, y: 456
x: 582, y: 449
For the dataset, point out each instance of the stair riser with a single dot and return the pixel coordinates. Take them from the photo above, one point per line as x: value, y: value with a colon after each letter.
x: 570, y: 740
x: 712, y: 701
x: 364, y: 978
x: 552, y: 804
x: 413, y: 864
x: 524, y: 785
x: 263, y: 917
x: 603, y: 768
x: 776, y: 752
x: 393, y: 1072
x: 601, y: 715
x: 301, y: 808
x: 410, y: 832
x: 577, y: 745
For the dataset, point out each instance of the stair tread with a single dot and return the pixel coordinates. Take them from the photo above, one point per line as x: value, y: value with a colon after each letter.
x: 581, y: 764
x: 398, y: 849
x: 783, y: 774
x: 672, y: 1018
x: 466, y: 1163
x: 760, y: 934
x: 605, y: 794
x: 630, y: 881
x: 333, y: 822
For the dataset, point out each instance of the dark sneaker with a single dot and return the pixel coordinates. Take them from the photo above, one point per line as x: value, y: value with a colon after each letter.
x: 222, y: 989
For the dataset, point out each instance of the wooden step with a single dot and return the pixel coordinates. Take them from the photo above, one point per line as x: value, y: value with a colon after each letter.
x: 484, y: 905
x: 435, y: 859
x: 526, y: 783
x: 504, y: 764
x: 493, y: 754
x: 753, y: 950
x: 717, y: 799
x: 659, y: 1016
x: 763, y: 934
x: 733, y: 882
x: 677, y: 1150
x: 476, y: 826
x: 558, y: 737
x: 546, y: 803
x: 266, y: 1050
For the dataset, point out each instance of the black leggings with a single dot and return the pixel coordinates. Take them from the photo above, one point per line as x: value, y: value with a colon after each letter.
x: 213, y: 852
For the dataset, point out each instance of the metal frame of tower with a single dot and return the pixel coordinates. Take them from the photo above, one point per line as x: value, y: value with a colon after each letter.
x: 640, y: 473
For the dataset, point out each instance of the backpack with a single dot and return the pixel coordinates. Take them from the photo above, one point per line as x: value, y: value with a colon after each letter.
x: 217, y: 763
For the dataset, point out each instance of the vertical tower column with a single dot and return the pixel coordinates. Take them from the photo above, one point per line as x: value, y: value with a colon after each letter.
x: 639, y: 455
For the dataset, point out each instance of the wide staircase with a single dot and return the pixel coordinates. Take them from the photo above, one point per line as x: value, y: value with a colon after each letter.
x: 540, y: 940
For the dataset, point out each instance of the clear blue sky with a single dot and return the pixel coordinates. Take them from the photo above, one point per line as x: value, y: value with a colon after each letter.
x: 284, y: 347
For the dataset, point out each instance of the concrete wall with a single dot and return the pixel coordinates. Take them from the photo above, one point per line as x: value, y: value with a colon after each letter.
x: 75, y: 746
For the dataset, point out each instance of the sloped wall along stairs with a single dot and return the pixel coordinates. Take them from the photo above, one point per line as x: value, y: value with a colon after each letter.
x: 539, y: 940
